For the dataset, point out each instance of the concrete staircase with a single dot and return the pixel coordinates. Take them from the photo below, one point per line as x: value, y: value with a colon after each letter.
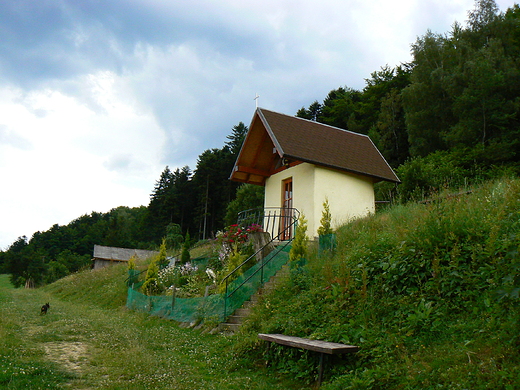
x: 235, y: 320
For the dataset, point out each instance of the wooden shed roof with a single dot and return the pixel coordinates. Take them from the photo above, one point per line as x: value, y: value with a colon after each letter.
x: 276, y: 141
x: 119, y: 254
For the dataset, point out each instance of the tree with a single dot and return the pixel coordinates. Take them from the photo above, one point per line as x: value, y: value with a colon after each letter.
x: 326, y: 219
x: 151, y: 282
x: 182, y: 201
x: 427, y: 104
x: 312, y: 113
x: 214, y: 189
x: 484, y: 13
x: 383, y: 112
x: 299, y: 245
x: 55, y: 271
x: 339, y: 108
x: 162, y: 259
x: 174, y: 236
x: 185, y: 254
x: 159, y: 216
x: 248, y: 196
x: 236, y: 138
x: 3, y: 268
x: 172, y: 201
x: 72, y: 261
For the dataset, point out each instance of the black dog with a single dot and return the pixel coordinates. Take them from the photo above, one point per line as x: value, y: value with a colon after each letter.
x: 45, y: 308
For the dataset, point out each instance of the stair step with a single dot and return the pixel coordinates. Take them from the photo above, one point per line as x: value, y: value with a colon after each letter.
x: 243, y: 311
x: 227, y: 327
x: 235, y: 319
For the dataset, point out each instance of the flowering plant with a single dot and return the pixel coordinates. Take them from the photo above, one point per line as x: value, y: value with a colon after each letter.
x: 188, y: 269
x: 235, y: 240
x: 254, y: 228
x: 234, y: 235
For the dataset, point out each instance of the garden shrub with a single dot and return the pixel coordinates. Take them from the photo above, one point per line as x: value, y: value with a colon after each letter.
x: 151, y: 284
x: 299, y: 244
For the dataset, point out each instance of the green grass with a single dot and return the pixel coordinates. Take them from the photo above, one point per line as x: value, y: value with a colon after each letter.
x: 89, y: 340
x: 428, y: 291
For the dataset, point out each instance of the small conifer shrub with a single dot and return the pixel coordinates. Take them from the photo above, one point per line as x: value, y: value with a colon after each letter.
x: 299, y: 244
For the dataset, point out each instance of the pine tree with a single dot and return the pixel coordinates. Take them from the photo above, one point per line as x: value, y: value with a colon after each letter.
x: 299, y: 244
x: 236, y: 138
x: 151, y: 283
x: 325, y: 220
x: 185, y: 255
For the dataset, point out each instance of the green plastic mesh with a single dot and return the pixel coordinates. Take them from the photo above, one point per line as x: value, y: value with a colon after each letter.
x: 214, y: 307
x: 242, y: 288
x: 327, y: 242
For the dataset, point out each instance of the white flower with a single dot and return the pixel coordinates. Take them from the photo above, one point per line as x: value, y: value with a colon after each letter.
x: 211, y: 274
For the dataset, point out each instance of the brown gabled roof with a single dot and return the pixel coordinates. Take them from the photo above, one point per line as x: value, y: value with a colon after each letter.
x: 275, y: 141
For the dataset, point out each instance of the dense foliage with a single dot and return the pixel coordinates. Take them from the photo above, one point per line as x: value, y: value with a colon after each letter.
x: 429, y: 292
x: 197, y: 201
x: 61, y: 250
x: 459, y: 95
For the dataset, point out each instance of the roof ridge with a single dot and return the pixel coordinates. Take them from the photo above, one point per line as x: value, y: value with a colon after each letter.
x: 315, y: 122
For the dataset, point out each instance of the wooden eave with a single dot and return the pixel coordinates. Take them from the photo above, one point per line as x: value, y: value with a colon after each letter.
x: 260, y: 155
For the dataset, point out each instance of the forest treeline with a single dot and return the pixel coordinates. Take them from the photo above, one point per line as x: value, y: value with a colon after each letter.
x: 450, y: 114
x: 448, y: 118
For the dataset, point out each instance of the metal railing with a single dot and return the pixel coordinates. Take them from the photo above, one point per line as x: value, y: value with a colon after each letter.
x: 281, y: 221
x: 274, y: 220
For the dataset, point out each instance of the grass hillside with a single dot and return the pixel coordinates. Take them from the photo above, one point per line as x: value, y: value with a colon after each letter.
x: 89, y: 340
x: 429, y: 292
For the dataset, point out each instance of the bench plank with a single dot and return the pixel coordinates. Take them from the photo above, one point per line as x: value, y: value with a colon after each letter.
x: 312, y: 345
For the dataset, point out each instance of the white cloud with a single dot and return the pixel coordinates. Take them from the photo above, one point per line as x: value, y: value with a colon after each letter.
x: 80, y: 160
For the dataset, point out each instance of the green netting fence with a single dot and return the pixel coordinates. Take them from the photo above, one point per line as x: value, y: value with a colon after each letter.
x: 214, y: 307
x: 327, y: 242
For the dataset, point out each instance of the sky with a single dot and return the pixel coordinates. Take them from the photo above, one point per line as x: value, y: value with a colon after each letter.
x: 97, y: 97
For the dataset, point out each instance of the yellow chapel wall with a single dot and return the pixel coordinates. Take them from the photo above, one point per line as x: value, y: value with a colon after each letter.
x: 349, y: 195
x: 302, y: 176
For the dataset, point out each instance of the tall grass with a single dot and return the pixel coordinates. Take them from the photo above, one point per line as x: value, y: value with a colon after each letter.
x: 428, y: 291
x: 90, y: 340
x: 104, y: 288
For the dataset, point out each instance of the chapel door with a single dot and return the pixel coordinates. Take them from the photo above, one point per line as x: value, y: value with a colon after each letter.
x: 287, y: 210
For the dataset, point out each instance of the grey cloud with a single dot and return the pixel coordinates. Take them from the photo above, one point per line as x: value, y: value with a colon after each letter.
x: 60, y: 40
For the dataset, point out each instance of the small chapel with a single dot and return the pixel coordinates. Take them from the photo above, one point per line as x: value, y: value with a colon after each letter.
x: 301, y: 163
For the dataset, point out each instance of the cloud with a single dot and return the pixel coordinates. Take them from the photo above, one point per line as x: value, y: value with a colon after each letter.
x: 10, y: 138
x: 80, y: 160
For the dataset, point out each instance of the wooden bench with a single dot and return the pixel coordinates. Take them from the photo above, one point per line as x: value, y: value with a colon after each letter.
x: 323, y: 347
